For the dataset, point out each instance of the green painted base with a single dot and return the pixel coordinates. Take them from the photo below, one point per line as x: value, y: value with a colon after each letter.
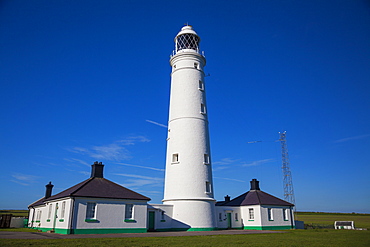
x: 95, y: 231
x: 187, y: 229
x: 268, y: 227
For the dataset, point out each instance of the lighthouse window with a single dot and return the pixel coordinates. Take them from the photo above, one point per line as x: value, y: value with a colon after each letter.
x: 175, y: 158
x: 206, y: 159
x: 196, y: 65
x: 201, y: 85
x: 208, y: 187
x: 202, y: 109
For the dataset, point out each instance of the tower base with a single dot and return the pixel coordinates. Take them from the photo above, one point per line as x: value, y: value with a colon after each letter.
x: 193, y: 215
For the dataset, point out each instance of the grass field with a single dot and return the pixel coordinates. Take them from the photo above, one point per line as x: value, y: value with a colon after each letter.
x: 290, y: 238
x: 17, y: 213
x: 315, y: 237
x: 361, y: 220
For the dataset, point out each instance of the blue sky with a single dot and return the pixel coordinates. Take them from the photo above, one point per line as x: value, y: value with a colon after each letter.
x: 84, y: 81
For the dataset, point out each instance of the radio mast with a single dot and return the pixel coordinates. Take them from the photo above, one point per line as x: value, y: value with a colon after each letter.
x: 287, y: 175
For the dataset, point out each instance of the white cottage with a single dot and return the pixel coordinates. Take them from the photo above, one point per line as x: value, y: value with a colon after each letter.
x: 255, y: 210
x: 96, y: 205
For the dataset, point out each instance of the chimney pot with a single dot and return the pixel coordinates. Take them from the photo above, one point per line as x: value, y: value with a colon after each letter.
x: 49, y: 188
x: 255, y: 184
x: 97, y: 170
x: 227, y: 198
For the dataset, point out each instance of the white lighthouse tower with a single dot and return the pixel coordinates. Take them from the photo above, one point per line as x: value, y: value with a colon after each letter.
x: 188, y: 181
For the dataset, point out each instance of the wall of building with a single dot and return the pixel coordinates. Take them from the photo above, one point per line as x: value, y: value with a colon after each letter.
x: 109, y: 216
x: 249, y: 221
x: 162, y: 216
x: 55, y: 216
x: 223, y: 213
x: 276, y: 221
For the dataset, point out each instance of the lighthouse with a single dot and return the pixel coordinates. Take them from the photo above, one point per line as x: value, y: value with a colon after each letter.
x: 188, y: 177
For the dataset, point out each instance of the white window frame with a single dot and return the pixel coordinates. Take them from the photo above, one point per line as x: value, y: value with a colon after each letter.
x: 50, y: 210
x: 251, y: 213
x: 62, y: 214
x: 203, y: 109
x: 285, y: 214
x: 129, y: 211
x: 175, y: 158
x: 201, y: 85
x: 208, y: 187
x: 206, y: 159
x: 91, y: 210
x: 270, y: 214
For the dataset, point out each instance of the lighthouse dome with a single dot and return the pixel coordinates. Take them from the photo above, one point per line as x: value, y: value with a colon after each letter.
x: 187, y: 40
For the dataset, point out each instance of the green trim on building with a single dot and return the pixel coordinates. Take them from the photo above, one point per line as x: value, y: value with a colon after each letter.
x: 163, y: 220
x: 130, y: 220
x: 268, y: 227
x: 108, y: 230
x: 48, y: 220
x: 91, y: 220
x: 61, y: 220
x: 94, y: 230
x: 187, y: 229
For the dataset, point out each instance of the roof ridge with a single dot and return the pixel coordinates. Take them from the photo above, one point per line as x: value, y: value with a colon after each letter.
x: 259, y: 199
x: 124, y: 187
x: 83, y: 184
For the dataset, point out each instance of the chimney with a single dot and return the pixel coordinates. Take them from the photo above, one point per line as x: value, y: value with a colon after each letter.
x: 255, y: 184
x: 227, y: 198
x: 97, y: 170
x: 49, y: 188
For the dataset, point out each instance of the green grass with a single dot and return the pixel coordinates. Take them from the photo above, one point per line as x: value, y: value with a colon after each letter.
x: 290, y: 238
x: 361, y: 220
x: 18, y: 230
x: 16, y: 213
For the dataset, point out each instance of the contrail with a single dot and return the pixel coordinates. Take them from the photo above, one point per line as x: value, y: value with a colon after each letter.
x: 162, y: 125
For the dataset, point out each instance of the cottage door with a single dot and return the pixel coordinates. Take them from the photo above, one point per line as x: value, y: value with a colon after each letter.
x: 228, y: 220
x: 151, y: 220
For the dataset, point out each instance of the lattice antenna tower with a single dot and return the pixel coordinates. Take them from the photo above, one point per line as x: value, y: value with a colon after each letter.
x: 287, y: 175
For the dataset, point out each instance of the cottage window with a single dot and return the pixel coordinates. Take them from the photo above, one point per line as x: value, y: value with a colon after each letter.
x: 91, y: 210
x: 269, y: 213
x: 50, y: 209
x: 63, y: 210
x: 220, y: 216
x: 38, y: 215
x: 285, y: 214
x: 236, y: 217
x: 129, y: 211
x: 162, y: 215
x: 251, y: 214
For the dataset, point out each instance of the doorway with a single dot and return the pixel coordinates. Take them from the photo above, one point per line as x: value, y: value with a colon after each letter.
x: 151, y: 221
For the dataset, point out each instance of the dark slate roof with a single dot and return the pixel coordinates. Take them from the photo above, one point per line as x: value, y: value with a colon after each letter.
x: 255, y: 197
x: 98, y: 188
